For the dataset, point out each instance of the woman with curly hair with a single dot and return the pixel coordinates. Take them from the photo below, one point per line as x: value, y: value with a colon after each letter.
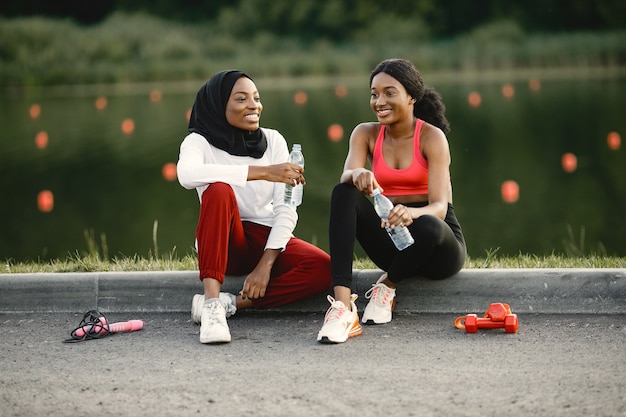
x: 409, y: 158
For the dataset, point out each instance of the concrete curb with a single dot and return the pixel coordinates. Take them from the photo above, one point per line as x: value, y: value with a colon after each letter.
x: 550, y: 291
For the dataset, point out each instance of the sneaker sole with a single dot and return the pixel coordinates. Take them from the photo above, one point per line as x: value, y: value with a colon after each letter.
x: 370, y: 322
x: 196, y: 308
x: 215, y: 340
x: 354, y: 331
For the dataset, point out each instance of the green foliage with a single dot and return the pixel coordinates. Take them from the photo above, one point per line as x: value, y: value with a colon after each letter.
x: 140, y: 47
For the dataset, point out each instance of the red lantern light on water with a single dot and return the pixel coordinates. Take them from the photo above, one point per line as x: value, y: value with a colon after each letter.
x: 101, y: 103
x: 534, y: 84
x: 128, y: 126
x: 300, y: 98
x: 474, y: 99
x: 341, y: 91
x: 34, y: 111
x: 335, y: 132
x: 614, y: 140
x: 508, y: 91
x: 509, y: 191
x: 45, y: 201
x: 41, y: 140
x: 156, y: 96
x: 569, y: 162
x: 169, y: 171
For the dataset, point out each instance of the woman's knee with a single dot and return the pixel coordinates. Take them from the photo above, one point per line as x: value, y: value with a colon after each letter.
x: 219, y: 192
x: 429, y: 228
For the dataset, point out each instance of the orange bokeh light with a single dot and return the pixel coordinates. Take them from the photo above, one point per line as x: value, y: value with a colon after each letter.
x: 300, y: 98
x: 41, y: 140
x: 341, y: 91
x: 45, y: 201
x: 34, y: 111
x: 569, y: 162
x: 508, y: 91
x: 509, y: 191
x: 169, y: 171
x: 335, y: 132
x: 128, y: 126
x: 156, y: 96
x: 474, y: 99
x: 534, y: 84
x: 101, y: 103
x: 614, y: 140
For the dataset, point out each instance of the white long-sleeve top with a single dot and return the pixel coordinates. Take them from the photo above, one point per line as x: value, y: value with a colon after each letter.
x: 201, y: 164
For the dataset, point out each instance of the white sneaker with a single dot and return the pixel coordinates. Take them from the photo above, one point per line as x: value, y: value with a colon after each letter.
x: 381, y: 304
x: 227, y: 299
x: 339, y: 322
x: 214, y: 328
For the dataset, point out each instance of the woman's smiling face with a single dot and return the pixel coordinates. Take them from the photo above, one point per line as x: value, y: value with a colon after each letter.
x: 389, y: 99
x: 244, y: 107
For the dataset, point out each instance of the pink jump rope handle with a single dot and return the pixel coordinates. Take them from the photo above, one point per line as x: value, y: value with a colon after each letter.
x: 122, y: 326
x: 126, y: 326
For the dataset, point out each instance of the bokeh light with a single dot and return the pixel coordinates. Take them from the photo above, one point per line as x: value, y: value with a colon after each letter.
x: 335, y: 132
x: 156, y: 96
x: 509, y: 191
x: 101, y: 103
x: 45, y: 201
x: 41, y: 140
x: 34, y: 111
x: 614, y: 140
x: 128, y: 126
x: 341, y: 91
x: 569, y: 162
x: 508, y: 91
x: 534, y: 84
x: 169, y: 171
x: 300, y: 98
x: 474, y: 99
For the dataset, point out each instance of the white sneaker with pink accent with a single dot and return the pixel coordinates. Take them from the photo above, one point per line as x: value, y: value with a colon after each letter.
x: 381, y: 304
x: 340, y: 322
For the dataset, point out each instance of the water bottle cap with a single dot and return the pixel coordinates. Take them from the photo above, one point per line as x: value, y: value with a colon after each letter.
x: 376, y: 191
x: 297, y: 146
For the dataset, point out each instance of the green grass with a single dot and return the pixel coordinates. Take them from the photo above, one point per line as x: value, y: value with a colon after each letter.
x: 96, y: 259
x: 91, y: 263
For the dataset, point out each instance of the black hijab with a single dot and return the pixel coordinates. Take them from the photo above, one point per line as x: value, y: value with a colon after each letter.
x: 208, y: 118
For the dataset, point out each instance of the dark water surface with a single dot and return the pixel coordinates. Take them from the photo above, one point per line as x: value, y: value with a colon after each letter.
x: 111, y: 185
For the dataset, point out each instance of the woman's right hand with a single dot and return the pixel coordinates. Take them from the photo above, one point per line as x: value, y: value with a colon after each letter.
x: 287, y: 173
x: 364, y: 181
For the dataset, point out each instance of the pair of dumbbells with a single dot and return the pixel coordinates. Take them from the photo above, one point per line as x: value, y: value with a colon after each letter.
x: 497, y: 316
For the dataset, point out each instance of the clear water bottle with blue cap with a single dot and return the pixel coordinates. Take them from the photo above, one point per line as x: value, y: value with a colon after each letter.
x: 400, y: 234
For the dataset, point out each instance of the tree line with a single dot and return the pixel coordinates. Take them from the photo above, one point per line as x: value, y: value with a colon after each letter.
x: 345, y: 20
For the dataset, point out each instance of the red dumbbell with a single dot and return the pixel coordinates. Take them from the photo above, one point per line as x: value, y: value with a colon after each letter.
x: 497, y: 316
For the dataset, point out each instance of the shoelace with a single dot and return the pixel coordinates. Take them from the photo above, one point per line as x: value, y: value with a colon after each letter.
x: 379, y: 293
x: 335, y: 311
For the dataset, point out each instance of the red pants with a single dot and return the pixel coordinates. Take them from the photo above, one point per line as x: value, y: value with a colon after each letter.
x: 228, y: 246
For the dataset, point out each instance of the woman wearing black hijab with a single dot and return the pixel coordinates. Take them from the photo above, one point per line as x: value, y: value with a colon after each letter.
x: 239, y: 170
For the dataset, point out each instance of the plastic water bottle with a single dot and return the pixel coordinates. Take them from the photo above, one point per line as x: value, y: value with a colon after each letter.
x: 400, y: 235
x: 293, y: 194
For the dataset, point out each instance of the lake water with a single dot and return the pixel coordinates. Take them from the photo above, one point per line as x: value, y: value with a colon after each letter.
x: 555, y: 139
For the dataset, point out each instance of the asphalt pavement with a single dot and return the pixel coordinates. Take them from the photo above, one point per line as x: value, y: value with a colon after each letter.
x: 566, y: 359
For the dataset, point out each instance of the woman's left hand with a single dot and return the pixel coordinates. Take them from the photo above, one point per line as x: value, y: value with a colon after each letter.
x: 399, y: 215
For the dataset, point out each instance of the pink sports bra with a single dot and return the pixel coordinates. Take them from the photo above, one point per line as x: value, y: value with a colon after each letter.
x: 408, y: 181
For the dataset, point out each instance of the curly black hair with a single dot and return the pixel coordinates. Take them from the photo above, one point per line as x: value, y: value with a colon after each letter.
x: 428, y: 103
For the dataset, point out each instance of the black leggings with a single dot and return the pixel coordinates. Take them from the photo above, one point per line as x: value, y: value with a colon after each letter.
x: 438, y: 252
